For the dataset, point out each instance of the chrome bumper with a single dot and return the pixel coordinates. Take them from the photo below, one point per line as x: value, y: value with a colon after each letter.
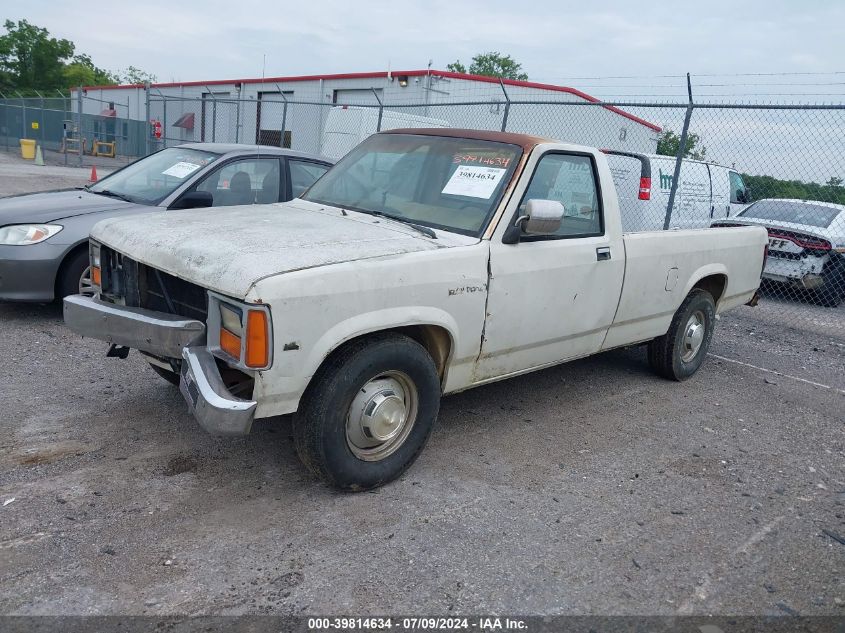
x: 217, y: 410
x: 155, y: 332
x: 170, y: 336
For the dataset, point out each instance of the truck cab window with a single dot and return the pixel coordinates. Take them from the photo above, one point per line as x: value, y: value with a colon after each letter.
x: 570, y: 180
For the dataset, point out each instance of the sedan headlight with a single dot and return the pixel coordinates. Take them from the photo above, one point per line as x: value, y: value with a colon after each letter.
x: 26, y: 234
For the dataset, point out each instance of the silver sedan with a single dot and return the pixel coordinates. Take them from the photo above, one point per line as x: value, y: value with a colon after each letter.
x: 44, y: 236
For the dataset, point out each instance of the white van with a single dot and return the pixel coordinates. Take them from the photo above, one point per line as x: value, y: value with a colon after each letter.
x: 347, y: 126
x: 706, y: 192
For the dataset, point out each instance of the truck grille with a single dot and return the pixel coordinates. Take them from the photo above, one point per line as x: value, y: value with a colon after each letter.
x: 138, y: 285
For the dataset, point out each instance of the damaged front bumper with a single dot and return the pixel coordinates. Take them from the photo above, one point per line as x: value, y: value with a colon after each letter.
x: 169, y: 336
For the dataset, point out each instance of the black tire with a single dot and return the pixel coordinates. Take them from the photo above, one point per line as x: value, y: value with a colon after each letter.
x: 666, y: 354
x: 169, y: 376
x: 832, y: 293
x: 71, y: 272
x: 320, y: 428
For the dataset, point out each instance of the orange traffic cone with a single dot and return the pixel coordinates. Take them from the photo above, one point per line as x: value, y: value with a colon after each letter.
x: 93, y: 177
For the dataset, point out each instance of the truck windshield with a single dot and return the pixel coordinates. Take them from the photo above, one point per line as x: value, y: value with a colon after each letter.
x: 446, y: 183
x: 151, y: 179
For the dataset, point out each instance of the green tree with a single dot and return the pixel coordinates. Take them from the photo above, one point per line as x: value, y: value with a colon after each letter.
x: 82, y: 72
x: 30, y: 59
x: 669, y: 142
x: 491, y: 64
x: 771, y: 187
x: 134, y: 75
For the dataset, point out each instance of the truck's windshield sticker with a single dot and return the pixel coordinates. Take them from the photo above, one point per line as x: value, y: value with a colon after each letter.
x: 474, y: 182
x: 180, y: 170
x: 482, y: 159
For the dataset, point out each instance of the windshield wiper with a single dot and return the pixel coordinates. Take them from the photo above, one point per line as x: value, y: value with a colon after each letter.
x: 113, y: 194
x: 419, y: 227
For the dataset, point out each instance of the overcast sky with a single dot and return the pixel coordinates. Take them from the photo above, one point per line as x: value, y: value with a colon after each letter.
x: 556, y: 41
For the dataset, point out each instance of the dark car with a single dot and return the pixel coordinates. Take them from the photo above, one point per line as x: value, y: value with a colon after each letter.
x: 44, y: 236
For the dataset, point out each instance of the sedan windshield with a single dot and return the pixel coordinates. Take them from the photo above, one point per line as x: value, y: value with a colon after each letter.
x: 151, y: 179
x: 448, y: 183
x: 817, y: 215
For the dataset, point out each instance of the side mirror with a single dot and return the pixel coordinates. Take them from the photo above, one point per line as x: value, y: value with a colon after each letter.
x: 744, y: 196
x: 542, y: 217
x: 194, y: 200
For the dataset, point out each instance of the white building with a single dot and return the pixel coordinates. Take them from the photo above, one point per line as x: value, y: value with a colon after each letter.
x: 254, y: 110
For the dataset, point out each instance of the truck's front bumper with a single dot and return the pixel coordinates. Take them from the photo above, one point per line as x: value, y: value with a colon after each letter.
x: 217, y: 410
x: 170, y: 336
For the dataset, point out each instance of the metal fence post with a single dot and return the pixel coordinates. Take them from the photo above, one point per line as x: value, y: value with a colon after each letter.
x: 147, y: 126
x: 41, y: 120
x: 23, y: 114
x: 682, y: 146
x: 507, y: 106
x: 80, y: 142
x: 380, y: 110
x: 284, y: 113
x: 5, y: 119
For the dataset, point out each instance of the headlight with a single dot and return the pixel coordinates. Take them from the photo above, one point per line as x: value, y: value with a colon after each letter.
x: 96, y: 269
x: 26, y: 234
x: 240, y: 332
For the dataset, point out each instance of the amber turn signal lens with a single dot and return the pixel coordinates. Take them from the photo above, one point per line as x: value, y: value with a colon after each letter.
x: 257, y: 339
x: 96, y: 277
x: 230, y: 343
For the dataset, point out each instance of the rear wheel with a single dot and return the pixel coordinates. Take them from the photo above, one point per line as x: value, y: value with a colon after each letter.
x: 678, y: 354
x: 368, y: 412
x: 832, y: 293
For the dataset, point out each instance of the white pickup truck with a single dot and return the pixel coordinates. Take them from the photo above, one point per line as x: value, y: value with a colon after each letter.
x: 425, y: 263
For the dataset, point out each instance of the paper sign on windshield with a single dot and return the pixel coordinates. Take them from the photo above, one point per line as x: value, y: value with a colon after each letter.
x: 180, y: 170
x: 474, y: 182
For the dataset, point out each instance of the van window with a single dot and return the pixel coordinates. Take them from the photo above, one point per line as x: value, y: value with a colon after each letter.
x: 737, y: 187
x: 570, y: 180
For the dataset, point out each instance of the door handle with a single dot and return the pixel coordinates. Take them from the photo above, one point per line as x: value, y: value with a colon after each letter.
x: 602, y: 253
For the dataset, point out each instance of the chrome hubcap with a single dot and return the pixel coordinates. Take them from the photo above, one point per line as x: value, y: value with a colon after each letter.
x: 693, y: 336
x: 86, y: 286
x: 381, y: 416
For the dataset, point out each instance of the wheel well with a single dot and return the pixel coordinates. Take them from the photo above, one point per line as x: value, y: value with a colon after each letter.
x: 68, y: 256
x: 435, y: 339
x: 714, y: 284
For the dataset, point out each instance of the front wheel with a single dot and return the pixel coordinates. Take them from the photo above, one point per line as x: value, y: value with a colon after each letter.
x: 368, y: 412
x: 678, y: 354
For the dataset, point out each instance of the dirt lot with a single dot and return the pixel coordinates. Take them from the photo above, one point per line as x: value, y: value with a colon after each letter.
x: 591, y: 488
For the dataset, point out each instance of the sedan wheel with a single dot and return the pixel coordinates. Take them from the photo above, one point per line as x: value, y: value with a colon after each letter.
x: 86, y: 286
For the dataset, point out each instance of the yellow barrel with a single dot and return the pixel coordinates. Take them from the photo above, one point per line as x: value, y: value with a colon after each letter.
x: 27, y: 148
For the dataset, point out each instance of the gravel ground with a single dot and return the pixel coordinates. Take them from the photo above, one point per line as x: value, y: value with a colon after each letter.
x: 590, y: 488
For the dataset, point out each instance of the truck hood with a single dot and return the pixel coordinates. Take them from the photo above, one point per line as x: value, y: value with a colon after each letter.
x: 229, y: 249
x: 49, y: 206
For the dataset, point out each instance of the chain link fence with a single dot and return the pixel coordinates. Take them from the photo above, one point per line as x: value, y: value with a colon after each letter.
x: 773, y: 165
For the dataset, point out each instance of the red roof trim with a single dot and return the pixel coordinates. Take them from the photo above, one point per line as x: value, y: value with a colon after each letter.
x: 395, y: 73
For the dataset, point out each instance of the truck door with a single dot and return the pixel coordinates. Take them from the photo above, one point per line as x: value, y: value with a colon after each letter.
x: 553, y: 297
x: 692, y: 209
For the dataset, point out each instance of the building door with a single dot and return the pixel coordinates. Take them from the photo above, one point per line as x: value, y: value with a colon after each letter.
x: 358, y: 96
